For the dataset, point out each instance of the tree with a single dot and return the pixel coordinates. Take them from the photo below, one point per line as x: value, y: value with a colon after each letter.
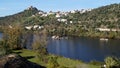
x: 4, y: 48
x: 112, y: 62
x: 13, y: 36
x: 52, y: 63
x: 39, y: 44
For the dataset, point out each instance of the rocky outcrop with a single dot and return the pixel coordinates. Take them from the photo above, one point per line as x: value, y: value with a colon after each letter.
x: 16, y: 61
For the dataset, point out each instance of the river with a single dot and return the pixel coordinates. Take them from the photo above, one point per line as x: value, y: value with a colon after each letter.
x: 84, y: 48
x: 81, y: 48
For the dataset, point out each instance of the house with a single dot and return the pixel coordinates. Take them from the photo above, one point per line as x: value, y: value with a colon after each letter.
x: 103, y: 29
x: 73, y: 11
x: 28, y: 27
x: 40, y: 27
x: 82, y: 11
x: 35, y: 26
x: 59, y: 20
x: 107, y: 29
x: 40, y: 12
x: 33, y: 15
x: 50, y: 13
x: 58, y: 15
x: 71, y: 22
x: 44, y: 15
x: 115, y: 30
x: 62, y: 20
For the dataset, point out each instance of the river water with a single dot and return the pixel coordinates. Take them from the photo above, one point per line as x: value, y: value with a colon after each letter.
x: 81, y: 48
x: 84, y: 48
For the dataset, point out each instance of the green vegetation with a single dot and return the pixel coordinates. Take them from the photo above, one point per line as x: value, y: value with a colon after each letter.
x: 19, y: 17
x: 105, y: 16
x: 4, y: 49
x: 84, y: 24
x: 112, y: 62
x: 39, y: 45
x: 60, y: 61
x: 13, y: 37
x: 39, y: 53
x: 52, y: 62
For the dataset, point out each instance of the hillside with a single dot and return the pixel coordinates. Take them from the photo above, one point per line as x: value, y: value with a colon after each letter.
x: 19, y: 17
x: 105, y: 16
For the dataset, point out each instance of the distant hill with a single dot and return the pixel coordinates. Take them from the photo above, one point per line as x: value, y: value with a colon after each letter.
x: 19, y: 17
x: 105, y: 16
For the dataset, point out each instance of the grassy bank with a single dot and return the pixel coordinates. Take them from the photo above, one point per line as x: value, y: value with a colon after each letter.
x: 65, y: 62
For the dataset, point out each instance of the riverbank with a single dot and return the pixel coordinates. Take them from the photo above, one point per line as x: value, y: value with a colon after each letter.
x: 96, y: 36
x: 62, y: 61
x: 16, y: 61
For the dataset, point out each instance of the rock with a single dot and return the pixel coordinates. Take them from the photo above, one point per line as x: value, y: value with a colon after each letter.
x: 16, y: 61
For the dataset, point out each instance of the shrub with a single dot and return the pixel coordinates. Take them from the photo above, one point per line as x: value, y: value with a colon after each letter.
x: 94, y: 62
x: 112, y: 62
x: 4, y: 48
x: 52, y: 62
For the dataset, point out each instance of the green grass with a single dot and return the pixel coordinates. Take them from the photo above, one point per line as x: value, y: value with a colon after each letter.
x: 74, y: 63
x: 28, y: 53
x: 31, y: 56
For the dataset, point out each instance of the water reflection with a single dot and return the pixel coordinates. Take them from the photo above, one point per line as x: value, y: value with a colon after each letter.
x: 81, y: 48
x: 84, y: 48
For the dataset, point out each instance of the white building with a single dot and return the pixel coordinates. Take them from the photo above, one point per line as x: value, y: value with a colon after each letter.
x: 58, y: 15
x: 40, y: 12
x: 35, y: 26
x: 73, y: 11
x: 62, y: 20
x: 82, y: 11
x: 44, y: 15
x: 40, y: 27
x: 71, y: 22
x: 107, y: 29
x: 115, y: 30
x: 50, y: 13
x: 59, y: 20
x: 28, y: 27
x: 103, y: 29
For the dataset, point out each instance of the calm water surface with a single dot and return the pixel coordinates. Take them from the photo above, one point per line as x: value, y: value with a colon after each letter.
x: 83, y: 48
x: 80, y: 48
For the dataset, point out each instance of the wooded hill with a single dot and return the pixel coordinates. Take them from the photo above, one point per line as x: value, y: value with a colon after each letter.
x: 19, y: 17
x: 105, y: 16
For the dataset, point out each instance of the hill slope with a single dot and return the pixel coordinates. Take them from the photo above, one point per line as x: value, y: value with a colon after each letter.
x: 105, y: 16
x: 19, y: 17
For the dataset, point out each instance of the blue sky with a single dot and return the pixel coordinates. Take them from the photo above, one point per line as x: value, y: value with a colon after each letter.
x: 9, y: 7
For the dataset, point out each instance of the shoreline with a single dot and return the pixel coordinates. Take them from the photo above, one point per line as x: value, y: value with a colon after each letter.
x: 63, y: 61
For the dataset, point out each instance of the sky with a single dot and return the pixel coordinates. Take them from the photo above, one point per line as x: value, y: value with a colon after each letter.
x: 9, y: 7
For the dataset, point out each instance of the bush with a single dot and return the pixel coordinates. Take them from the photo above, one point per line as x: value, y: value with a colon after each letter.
x: 4, y: 48
x: 112, y: 62
x: 52, y: 62
x: 95, y: 62
x: 62, y: 67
